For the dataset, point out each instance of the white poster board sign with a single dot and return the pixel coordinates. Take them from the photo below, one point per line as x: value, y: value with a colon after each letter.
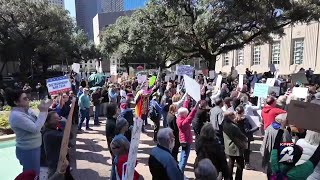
x: 240, y: 80
x: 192, y: 88
x: 300, y: 92
x: 58, y: 85
x: 113, y: 70
x: 219, y: 81
x: 167, y: 78
x: 261, y: 90
x: 142, y: 78
x: 272, y: 68
x: 271, y: 81
x: 185, y: 70
x: 212, y: 74
x: 76, y: 67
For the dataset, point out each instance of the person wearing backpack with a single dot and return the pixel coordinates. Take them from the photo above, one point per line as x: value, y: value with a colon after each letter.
x: 155, y: 115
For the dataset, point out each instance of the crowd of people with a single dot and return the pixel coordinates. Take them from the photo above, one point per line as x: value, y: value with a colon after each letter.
x: 220, y: 125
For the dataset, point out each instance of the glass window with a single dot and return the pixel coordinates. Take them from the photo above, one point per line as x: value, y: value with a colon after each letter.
x: 240, y: 57
x: 298, y: 46
x: 225, y: 60
x: 256, y: 55
x: 275, y: 53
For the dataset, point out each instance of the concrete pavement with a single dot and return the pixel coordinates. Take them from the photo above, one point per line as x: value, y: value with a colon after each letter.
x: 91, y: 157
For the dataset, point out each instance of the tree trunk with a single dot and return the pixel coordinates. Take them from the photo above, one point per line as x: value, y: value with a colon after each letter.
x: 126, y: 64
x: 211, y: 62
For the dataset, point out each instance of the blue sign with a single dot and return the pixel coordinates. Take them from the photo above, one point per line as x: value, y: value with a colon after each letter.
x: 261, y: 90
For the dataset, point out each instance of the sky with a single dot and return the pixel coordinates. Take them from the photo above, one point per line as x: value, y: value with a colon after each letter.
x: 70, y: 6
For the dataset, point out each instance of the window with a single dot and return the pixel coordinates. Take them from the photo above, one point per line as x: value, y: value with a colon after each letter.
x: 256, y: 55
x: 275, y: 53
x: 240, y: 57
x: 225, y: 60
x: 298, y: 51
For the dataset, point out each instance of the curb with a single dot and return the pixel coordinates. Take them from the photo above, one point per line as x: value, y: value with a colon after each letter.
x: 7, y: 137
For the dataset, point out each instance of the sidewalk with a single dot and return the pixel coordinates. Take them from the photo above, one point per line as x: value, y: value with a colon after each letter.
x: 91, y: 159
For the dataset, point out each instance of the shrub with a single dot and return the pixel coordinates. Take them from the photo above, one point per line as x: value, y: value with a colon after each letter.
x: 6, y: 108
x: 4, y: 120
x: 34, y: 104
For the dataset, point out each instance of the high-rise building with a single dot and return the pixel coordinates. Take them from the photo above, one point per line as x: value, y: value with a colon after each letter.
x: 58, y: 3
x: 113, y: 5
x: 134, y: 4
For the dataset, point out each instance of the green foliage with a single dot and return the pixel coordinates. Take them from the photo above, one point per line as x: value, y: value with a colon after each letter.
x: 34, y: 104
x: 6, y: 108
x: 4, y: 120
x: 174, y: 31
x: 37, y: 35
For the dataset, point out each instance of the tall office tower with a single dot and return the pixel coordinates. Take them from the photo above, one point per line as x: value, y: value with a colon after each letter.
x: 134, y: 4
x: 113, y: 5
x: 58, y: 3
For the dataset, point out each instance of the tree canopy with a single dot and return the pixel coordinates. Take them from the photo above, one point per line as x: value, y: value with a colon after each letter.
x: 177, y: 30
x: 37, y: 34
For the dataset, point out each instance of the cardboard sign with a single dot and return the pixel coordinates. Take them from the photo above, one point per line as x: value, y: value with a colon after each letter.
x: 275, y: 89
x: 299, y: 77
x: 76, y: 67
x: 219, y: 81
x: 152, y: 80
x: 300, y: 92
x: 240, y: 80
x: 58, y: 85
x: 167, y: 78
x: 113, y: 70
x: 304, y: 115
x: 261, y: 90
x: 142, y: 78
x: 192, y: 88
x: 271, y: 81
x: 185, y: 70
x: 212, y: 74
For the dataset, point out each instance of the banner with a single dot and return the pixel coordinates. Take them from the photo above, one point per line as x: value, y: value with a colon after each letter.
x: 300, y: 92
x: 304, y: 115
x: 76, y: 67
x: 261, y: 90
x: 185, y: 70
x: 192, y: 88
x: 58, y: 85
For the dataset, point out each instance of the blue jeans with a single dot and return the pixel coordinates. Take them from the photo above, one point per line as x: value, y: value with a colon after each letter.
x: 29, y: 159
x: 184, y: 155
x: 84, y: 114
x: 96, y: 114
x: 164, y: 115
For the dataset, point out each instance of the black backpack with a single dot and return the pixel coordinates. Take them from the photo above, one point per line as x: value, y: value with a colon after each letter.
x: 153, y: 113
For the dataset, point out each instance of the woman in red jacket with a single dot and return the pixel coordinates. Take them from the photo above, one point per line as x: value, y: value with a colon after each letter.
x: 185, y: 135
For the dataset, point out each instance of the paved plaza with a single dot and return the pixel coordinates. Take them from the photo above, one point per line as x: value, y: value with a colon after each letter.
x: 91, y: 157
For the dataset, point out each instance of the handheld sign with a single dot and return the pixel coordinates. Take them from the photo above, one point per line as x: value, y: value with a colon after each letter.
x: 65, y: 139
x: 142, y: 78
x: 261, y: 90
x: 167, y: 78
x: 271, y: 81
x: 152, y: 80
x: 192, y: 88
x: 240, y: 80
x: 299, y: 77
x: 304, y: 115
x: 300, y: 92
x: 76, y: 67
x: 219, y: 81
x: 58, y: 85
x: 212, y: 74
x: 185, y: 70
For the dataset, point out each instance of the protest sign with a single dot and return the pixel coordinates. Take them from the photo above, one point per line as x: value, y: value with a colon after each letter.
x: 219, y: 81
x: 272, y: 68
x: 125, y: 75
x: 300, y: 92
x: 304, y: 115
x: 275, y: 89
x: 76, y: 67
x: 152, y: 80
x: 299, y: 77
x: 65, y: 139
x: 185, y: 70
x: 271, y: 81
x: 261, y: 90
x: 167, y: 78
x: 142, y: 78
x: 58, y: 85
x: 240, y: 80
x: 113, y: 69
x: 192, y: 88
x: 212, y: 74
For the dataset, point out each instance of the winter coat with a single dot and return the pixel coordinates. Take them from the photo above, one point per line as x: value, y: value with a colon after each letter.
x: 234, y: 140
x: 308, y: 150
x: 269, y: 114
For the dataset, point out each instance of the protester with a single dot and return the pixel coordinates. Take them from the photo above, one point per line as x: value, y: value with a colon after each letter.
x: 27, y: 89
x: 269, y: 139
x: 84, y: 106
x: 200, y: 118
x: 127, y: 114
x: 111, y: 124
x: 208, y: 146
x: 96, y: 101
x: 122, y: 126
x: 41, y: 90
x: 63, y: 107
x: 269, y: 112
x: 249, y: 109
x: 155, y: 116
x: 26, y: 126
x: 216, y: 118
x: 165, y: 102
x: 206, y: 170
x: 112, y: 94
x: 235, y: 143
x: 184, y: 121
x: 172, y: 123
x: 161, y: 163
